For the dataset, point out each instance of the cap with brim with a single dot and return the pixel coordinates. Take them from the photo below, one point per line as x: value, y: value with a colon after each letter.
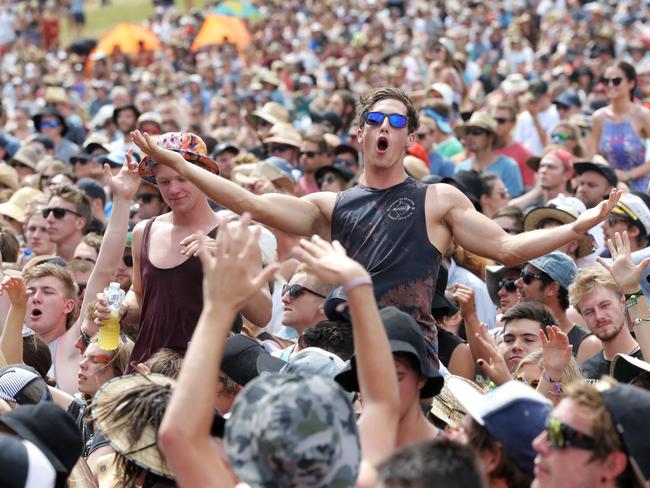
x: 568, y: 99
x: 335, y: 306
x: 225, y: 147
x: 340, y: 170
x: 240, y: 356
x: 555, y: 152
x: 150, y: 118
x: 445, y: 91
x: 96, y: 141
x: 248, y: 174
x: 142, y: 451
x: 441, y: 122
x: 329, y: 117
x: 493, y: 276
x: 513, y: 413
x: 309, y: 361
x: 188, y: 145
x: 634, y: 208
x: 113, y: 159
x: 17, y: 204
x: 271, y: 112
x: 604, y: 169
x: 468, y: 182
x: 446, y: 407
x: 404, y: 335
x: 22, y: 384
x: 482, y: 120
x: 8, y: 176
x: 27, y: 156
x: 626, y: 404
x: 129, y: 106
x: 559, y: 266
x: 625, y: 368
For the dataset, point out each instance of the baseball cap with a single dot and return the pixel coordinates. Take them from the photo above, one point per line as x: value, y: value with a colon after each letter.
x: 568, y: 98
x: 309, y: 361
x: 445, y: 91
x: 604, y: 169
x: 22, y: 384
x: 470, y: 184
x: 404, y: 335
x: 240, y: 358
x: 559, y: 266
x: 92, y: 189
x: 513, y: 413
x: 23, y: 464
x: 561, y: 155
x: 624, y: 403
x: 634, y: 208
x: 114, y: 159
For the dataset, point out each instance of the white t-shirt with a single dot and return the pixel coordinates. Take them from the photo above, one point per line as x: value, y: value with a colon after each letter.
x: 526, y: 133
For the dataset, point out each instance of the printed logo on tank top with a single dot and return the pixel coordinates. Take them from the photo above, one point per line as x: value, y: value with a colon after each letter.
x: 401, y: 209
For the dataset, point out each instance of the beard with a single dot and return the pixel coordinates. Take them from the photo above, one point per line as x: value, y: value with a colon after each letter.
x: 608, y: 335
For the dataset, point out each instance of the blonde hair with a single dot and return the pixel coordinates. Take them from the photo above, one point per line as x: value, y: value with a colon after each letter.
x: 319, y: 285
x: 589, y: 279
x: 62, y: 274
x: 570, y: 374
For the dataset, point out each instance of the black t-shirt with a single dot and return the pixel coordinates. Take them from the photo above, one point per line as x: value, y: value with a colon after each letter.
x: 447, y: 343
x: 576, y: 335
x: 597, y: 366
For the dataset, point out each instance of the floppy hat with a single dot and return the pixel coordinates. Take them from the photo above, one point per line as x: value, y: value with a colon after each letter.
x: 404, y: 335
x: 513, y: 413
x: 446, y: 407
x: 284, y: 134
x: 634, y: 208
x: 340, y: 170
x: 129, y: 106
x: 293, y: 431
x: 559, y: 266
x: 28, y: 156
x: 143, y: 450
x: 23, y: 464
x: 8, y: 176
x: 51, y: 429
x: 50, y: 111
x: 604, y: 169
x: 16, y: 206
x: 307, y: 362
x: 482, y: 120
x: 188, y: 145
x: 565, y: 210
x: 493, y: 275
x: 271, y: 112
x: 625, y: 368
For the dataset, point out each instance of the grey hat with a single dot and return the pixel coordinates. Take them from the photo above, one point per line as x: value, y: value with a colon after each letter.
x: 293, y: 431
x: 559, y: 266
x: 307, y: 362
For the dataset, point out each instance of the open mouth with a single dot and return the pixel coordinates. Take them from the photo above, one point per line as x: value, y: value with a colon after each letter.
x: 37, y: 312
x: 382, y: 144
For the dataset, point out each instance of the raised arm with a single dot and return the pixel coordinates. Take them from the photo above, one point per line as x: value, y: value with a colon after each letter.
x: 11, y: 342
x: 480, y: 235
x: 298, y: 216
x: 228, y: 282
x: 374, y: 361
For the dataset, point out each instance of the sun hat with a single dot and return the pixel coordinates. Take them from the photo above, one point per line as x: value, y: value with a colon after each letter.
x: 142, y: 450
x: 293, y: 431
x: 271, y: 112
x: 446, y: 407
x: 28, y: 156
x: 50, y: 111
x: 8, y: 176
x: 188, y: 145
x: 16, y: 206
x: 96, y: 141
x: 284, y: 134
x: 404, y: 335
x: 513, y: 413
x: 514, y: 83
x: 565, y: 210
x: 151, y: 118
x: 307, y: 362
x: 559, y: 266
x: 51, y: 429
x: 493, y: 275
x: 482, y: 120
x: 24, y: 465
x: 340, y: 170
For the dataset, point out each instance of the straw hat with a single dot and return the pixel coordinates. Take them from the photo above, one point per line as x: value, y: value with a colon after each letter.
x: 8, y: 176
x: 15, y: 207
x: 285, y: 134
x: 271, y: 112
x: 142, y: 451
x: 446, y: 407
x: 482, y: 120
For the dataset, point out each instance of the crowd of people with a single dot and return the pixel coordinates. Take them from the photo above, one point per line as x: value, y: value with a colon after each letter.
x: 387, y: 244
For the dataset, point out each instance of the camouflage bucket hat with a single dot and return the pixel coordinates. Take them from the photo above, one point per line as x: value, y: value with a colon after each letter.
x: 188, y: 145
x: 293, y: 431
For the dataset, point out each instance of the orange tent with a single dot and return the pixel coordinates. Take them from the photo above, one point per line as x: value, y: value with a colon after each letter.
x: 127, y: 36
x: 219, y: 29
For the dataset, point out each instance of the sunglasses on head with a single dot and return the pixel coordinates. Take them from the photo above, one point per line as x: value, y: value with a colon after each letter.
x: 475, y: 131
x: 49, y: 123
x: 561, y: 436
x: 508, y: 284
x: 296, y: 291
x: 527, y: 277
x: 559, y: 137
x: 347, y: 162
x: 309, y: 154
x: 145, y: 197
x: 128, y: 260
x: 613, y: 81
x: 280, y: 147
x: 397, y: 121
x: 58, y: 212
x: 501, y: 120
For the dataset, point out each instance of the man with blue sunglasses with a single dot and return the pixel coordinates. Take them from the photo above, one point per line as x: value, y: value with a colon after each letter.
x: 394, y: 225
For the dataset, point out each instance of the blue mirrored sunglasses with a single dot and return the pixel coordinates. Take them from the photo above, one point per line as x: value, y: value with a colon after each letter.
x: 398, y: 121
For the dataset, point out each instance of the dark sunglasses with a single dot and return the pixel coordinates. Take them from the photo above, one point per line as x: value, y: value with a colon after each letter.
x: 309, y: 154
x: 329, y: 179
x: 49, y: 123
x: 82, y: 161
x: 280, y: 147
x: 501, y: 120
x: 296, y: 291
x: 527, y: 277
x: 612, y: 220
x: 397, y: 121
x: 508, y: 284
x: 59, y: 213
x: 475, y: 131
x: 145, y: 197
x: 561, y: 436
x: 128, y: 261
x: 347, y: 162
x: 613, y: 81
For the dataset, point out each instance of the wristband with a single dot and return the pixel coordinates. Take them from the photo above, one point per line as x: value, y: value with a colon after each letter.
x: 557, y: 384
x: 640, y: 321
x: 632, y: 299
x: 355, y: 282
x: 636, y: 294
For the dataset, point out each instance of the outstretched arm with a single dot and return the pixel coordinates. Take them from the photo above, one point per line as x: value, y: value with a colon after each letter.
x: 11, y: 342
x: 298, y: 216
x: 480, y: 235
x: 229, y: 281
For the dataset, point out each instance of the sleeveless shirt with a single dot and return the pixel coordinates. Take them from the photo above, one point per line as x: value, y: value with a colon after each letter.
x: 576, y: 335
x: 171, y: 303
x: 386, y: 231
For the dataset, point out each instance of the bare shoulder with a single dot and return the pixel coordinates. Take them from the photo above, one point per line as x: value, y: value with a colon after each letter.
x: 324, y: 200
x: 442, y: 198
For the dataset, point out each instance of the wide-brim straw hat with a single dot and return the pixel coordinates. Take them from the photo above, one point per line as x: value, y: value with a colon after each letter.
x: 271, y: 112
x: 446, y: 407
x: 143, y: 451
x: 482, y: 120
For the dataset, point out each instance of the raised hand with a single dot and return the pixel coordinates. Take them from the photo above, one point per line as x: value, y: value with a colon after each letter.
x: 126, y: 183
x: 492, y: 366
x: 230, y: 276
x: 626, y: 274
x: 14, y: 288
x: 597, y: 214
x: 556, y: 349
x: 191, y: 244
x: 329, y: 260
x: 464, y: 296
x: 162, y: 156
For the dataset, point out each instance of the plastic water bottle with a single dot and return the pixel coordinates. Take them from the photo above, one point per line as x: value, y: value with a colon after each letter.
x: 109, y: 334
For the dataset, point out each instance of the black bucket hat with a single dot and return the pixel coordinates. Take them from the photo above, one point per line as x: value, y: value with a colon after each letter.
x: 404, y: 335
x: 50, y: 111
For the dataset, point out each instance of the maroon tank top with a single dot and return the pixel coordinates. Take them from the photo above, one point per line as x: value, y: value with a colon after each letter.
x: 171, y: 303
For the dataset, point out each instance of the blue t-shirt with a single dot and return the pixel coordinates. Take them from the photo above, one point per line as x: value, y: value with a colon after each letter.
x: 440, y: 165
x: 505, y: 168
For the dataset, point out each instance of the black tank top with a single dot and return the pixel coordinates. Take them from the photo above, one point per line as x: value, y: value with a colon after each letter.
x: 171, y: 303
x: 576, y: 335
x: 386, y: 231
